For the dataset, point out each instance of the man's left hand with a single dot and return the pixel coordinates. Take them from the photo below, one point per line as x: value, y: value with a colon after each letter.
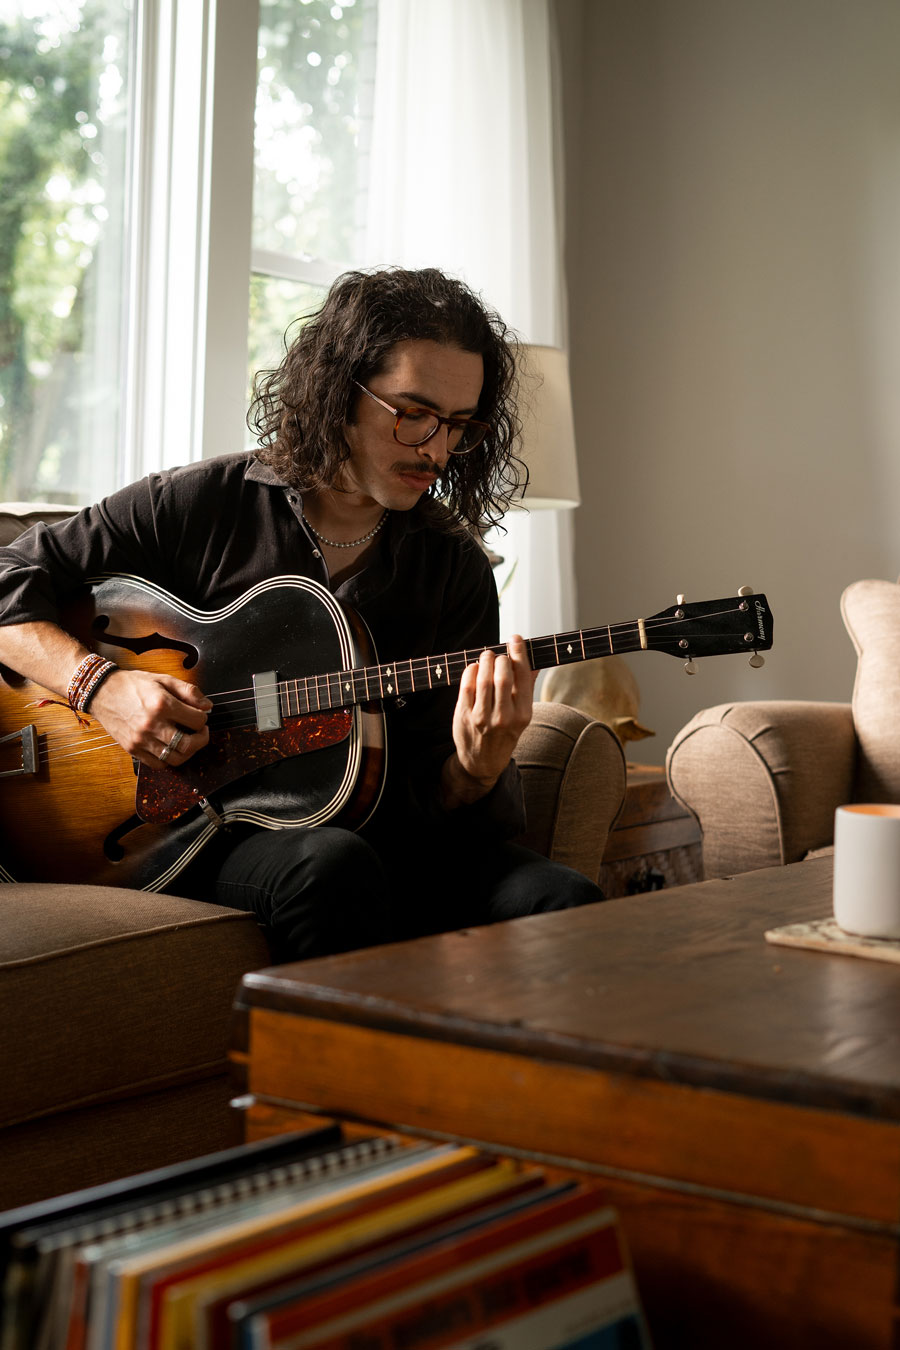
x: 494, y: 707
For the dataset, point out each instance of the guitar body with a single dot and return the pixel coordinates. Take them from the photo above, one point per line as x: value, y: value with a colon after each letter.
x: 76, y: 807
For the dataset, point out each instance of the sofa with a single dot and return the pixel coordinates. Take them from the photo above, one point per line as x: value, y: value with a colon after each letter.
x: 118, y: 1003
x: 764, y: 778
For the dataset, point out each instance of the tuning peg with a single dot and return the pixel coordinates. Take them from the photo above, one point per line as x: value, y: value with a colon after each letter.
x: 679, y: 599
x: 689, y: 666
x: 756, y: 660
x: 745, y: 590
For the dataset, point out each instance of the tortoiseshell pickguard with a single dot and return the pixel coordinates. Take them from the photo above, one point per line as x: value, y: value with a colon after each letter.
x: 163, y: 795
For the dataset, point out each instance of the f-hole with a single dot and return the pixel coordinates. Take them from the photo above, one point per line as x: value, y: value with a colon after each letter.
x: 152, y: 642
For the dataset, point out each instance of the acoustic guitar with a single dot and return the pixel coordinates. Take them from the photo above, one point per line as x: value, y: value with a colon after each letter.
x: 297, y: 729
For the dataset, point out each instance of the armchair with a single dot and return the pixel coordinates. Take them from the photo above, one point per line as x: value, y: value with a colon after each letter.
x: 764, y: 779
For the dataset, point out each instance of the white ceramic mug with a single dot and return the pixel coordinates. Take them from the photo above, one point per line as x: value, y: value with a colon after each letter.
x: 867, y: 870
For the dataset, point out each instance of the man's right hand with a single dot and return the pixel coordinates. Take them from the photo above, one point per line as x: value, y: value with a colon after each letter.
x: 139, y: 709
x: 143, y: 711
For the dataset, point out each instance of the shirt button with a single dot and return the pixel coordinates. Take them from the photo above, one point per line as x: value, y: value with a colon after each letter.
x: 316, y: 553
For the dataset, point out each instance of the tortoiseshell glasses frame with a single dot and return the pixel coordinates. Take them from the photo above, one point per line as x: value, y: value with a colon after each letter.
x: 420, y: 424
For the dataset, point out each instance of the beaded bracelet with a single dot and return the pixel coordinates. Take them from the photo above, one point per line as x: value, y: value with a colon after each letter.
x: 87, y: 678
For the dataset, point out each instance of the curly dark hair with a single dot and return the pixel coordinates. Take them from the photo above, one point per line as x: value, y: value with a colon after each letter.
x: 299, y: 411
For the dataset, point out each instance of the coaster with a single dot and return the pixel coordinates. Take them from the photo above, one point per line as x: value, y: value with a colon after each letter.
x: 823, y: 935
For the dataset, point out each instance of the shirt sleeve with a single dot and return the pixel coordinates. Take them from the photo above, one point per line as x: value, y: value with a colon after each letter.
x: 47, y: 564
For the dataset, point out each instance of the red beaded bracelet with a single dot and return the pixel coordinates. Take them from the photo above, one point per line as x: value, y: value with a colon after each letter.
x: 86, y: 679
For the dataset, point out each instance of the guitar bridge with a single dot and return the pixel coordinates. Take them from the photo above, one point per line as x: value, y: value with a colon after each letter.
x: 28, y: 741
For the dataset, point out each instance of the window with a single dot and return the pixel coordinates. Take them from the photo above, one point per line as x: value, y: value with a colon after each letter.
x: 66, y: 76
x: 126, y: 209
x: 313, y: 109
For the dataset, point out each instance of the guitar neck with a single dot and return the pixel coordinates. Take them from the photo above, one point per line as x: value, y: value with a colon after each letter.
x: 321, y: 693
x: 707, y: 628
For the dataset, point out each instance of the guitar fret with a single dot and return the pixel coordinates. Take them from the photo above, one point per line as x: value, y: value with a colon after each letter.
x: 438, y: 669
x: 286, y: 701
x: 569, y: 652
x: 456, y: 664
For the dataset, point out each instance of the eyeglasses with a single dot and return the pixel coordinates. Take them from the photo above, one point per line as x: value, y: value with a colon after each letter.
x: 415, y: 426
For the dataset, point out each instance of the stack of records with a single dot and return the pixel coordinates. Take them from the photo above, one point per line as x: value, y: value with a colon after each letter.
x: 318, y: 1240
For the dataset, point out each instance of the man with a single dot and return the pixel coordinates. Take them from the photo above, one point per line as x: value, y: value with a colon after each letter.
x: 386, y: 434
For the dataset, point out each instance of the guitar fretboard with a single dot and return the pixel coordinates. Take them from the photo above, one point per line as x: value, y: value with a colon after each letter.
x: 322, y: 693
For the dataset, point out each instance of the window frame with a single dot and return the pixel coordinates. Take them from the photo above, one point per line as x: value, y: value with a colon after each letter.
x: 191, y: 192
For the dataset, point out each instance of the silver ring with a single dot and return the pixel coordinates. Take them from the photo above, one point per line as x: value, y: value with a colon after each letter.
x: 170, y: 749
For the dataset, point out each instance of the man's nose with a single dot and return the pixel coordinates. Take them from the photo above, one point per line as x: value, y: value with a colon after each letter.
x: 435, y: 448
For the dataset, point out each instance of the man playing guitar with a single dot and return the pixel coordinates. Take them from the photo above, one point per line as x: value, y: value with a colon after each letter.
x: 386, y: 436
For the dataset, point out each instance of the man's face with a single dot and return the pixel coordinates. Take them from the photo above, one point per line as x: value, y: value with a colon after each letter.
x: 445, y: 380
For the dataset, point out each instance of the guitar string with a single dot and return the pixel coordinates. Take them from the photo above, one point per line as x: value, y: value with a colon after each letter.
x: 226, y: 699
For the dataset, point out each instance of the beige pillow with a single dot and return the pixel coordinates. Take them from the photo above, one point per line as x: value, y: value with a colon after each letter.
x: 871, y: 611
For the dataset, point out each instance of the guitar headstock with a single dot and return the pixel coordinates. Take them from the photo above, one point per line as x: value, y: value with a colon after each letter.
x: 741, y: 623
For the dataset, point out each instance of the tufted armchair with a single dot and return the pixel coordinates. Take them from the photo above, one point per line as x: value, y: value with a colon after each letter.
x: 764, y: 779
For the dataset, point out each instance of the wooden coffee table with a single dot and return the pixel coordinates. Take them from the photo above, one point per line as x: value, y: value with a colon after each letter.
x: 740, y: 1101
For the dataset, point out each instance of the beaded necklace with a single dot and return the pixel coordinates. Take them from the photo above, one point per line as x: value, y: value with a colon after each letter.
x: 352, y: 543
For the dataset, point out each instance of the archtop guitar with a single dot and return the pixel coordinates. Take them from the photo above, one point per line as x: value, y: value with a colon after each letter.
x: 297, y: 729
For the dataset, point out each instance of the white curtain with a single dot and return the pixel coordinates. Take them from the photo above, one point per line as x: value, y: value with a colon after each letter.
x: 465, y: 176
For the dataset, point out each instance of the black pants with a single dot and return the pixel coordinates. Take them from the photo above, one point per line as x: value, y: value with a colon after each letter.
x: 326, y: 890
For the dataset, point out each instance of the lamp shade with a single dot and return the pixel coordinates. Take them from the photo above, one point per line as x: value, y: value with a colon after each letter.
x: 548, y: 430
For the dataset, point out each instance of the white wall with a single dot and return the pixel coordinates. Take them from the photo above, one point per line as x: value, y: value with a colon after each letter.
x: 733, y: 258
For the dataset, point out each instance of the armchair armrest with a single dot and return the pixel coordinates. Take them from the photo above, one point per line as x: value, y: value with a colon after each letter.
x: 763, y: 779
x: 573, y: 774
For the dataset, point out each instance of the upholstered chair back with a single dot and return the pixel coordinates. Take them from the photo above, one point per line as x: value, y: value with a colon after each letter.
x: 871, y: 611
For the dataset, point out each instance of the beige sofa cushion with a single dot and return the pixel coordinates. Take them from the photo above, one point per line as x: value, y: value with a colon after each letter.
x: 108, y: 993
x: 18, y: 516
x: 871, y: 611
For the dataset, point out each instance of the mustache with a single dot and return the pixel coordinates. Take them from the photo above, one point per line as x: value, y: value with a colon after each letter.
x: 422, y: 469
